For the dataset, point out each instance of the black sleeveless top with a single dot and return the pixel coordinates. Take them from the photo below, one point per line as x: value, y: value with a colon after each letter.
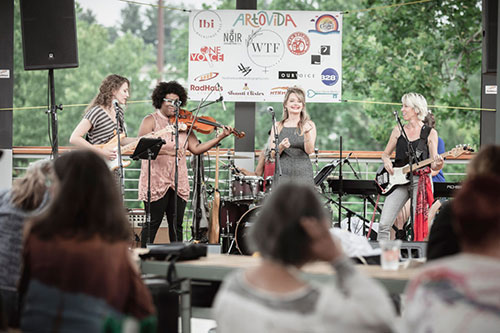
x: 419, y: 146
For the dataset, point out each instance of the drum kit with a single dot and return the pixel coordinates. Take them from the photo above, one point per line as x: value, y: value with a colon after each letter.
x: 240, y: 208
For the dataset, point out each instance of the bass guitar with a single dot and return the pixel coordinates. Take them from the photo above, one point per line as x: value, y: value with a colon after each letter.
x: 112, y: 144
x: 387, y: 182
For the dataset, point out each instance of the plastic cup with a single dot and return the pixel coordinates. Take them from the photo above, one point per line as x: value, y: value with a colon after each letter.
x: 389, y: 258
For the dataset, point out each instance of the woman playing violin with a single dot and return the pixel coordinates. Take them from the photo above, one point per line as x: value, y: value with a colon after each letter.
x: 164, y: 98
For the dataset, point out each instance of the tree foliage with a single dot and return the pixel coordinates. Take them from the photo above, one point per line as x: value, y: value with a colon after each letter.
x: 432, y: 48
x: 126, y: 56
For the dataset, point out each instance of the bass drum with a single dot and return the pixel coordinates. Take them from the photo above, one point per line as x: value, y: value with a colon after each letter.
x: 243, y: 227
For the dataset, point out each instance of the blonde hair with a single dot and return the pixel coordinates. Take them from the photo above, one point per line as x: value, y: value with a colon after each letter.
x: 28, y: 191
x: 417, y: 102
x: 304, y: 117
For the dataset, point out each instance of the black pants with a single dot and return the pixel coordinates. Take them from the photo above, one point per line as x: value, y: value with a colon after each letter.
x: 160, y: 207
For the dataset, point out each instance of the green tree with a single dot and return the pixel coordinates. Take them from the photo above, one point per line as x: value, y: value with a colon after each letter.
x: 127, y: 56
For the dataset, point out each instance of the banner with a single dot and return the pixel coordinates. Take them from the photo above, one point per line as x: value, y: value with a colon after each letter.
x: 254, y: 56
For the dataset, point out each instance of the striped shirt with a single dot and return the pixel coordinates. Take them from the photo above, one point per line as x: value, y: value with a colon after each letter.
x: 103, y: 127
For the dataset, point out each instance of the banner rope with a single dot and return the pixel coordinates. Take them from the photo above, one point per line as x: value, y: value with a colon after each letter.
x: 344, y: 101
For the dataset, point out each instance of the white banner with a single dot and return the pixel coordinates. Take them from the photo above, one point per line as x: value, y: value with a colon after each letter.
x: 254, y: 56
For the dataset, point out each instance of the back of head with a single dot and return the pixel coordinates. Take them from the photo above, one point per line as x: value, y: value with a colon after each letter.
x: 477, y: 213
x: 277, y: 233
x: 486, y: 162
x: 28, y: 191
x: 430, y: 120
x: 86, y: 201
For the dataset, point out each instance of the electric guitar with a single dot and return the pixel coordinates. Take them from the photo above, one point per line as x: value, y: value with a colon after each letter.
x: 112, y: 144
x: 213, y: 234
x: 387, y: 182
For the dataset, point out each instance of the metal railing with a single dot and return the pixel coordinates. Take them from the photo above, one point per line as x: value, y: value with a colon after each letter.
x: 366, y: 168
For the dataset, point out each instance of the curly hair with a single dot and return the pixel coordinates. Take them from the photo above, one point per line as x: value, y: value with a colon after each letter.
x: 108, y: 86
x: 164, y: 88
x: 304, y: 117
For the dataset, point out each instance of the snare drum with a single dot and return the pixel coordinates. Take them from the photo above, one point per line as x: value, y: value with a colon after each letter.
x: 242, y: 227
x: 246, y: 188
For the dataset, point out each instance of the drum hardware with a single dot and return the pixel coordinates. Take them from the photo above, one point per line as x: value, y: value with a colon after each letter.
x: 246, y: 188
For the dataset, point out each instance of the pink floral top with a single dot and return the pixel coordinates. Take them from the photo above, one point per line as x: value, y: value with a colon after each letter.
x: 163, y: 168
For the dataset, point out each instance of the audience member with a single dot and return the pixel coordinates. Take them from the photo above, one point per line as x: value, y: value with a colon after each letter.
x: 291, y: 231
x: 78, y: 274
x: 27, y: 196
x: 460, y: 293
x: 442, y: 237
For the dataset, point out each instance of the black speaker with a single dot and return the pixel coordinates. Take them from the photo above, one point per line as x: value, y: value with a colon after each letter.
x: 490, y: 35
x: 49, y: 34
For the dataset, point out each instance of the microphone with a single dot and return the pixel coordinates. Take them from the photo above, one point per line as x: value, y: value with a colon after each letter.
x: 270, y: 110
x: 115, y: 103
x: 346, y: 160
x: 221, y: 97
x: 223, y: 105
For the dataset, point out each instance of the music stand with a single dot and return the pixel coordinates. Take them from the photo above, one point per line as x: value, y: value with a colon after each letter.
x: 325, y: 172
x: 148, y: 149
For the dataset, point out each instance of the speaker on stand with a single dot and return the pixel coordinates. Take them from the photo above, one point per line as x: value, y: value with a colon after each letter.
x: 49, y: 42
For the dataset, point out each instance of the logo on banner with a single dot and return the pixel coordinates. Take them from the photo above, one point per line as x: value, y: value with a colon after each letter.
x: 265, y: 48
x: 233, y: 38
x: 245, y: 91
x: 205, y: 87
x: 313, y: 93
x: 324, y: 49
x: 315, y: 59
x: 208, y: 54
x: 325, y: 24
x: 244, y: 69
x: 329, y: 76
x: 206, y: 76
x: 294, y: 75
x: 298, y: 43
x: 263, y: 18
x: 278, y: 91
x: 207, y: 23
x: 286, y: 75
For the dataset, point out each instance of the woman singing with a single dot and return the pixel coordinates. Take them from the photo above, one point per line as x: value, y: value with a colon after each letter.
x: 424, y: 141
x: 296, y: 137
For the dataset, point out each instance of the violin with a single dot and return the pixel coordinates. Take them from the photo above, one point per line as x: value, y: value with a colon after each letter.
x: 203, y: 124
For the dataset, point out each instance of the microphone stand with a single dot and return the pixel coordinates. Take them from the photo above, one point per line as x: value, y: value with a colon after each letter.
x: 277, y: 166
x: 412, y: 157
x: 119, y: 150
x: 341, y: 188
x: 176, y: 172
x: 316, y: 162
x: 346, y: 160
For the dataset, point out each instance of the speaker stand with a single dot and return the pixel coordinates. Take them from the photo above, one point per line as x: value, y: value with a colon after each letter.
x: 54, y: 141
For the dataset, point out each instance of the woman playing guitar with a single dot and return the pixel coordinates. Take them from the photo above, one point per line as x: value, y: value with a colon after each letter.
x: 99, y: 120
x: 424, y: 141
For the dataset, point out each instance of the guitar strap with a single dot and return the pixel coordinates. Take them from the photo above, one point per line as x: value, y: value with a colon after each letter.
x: 422, y: 144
